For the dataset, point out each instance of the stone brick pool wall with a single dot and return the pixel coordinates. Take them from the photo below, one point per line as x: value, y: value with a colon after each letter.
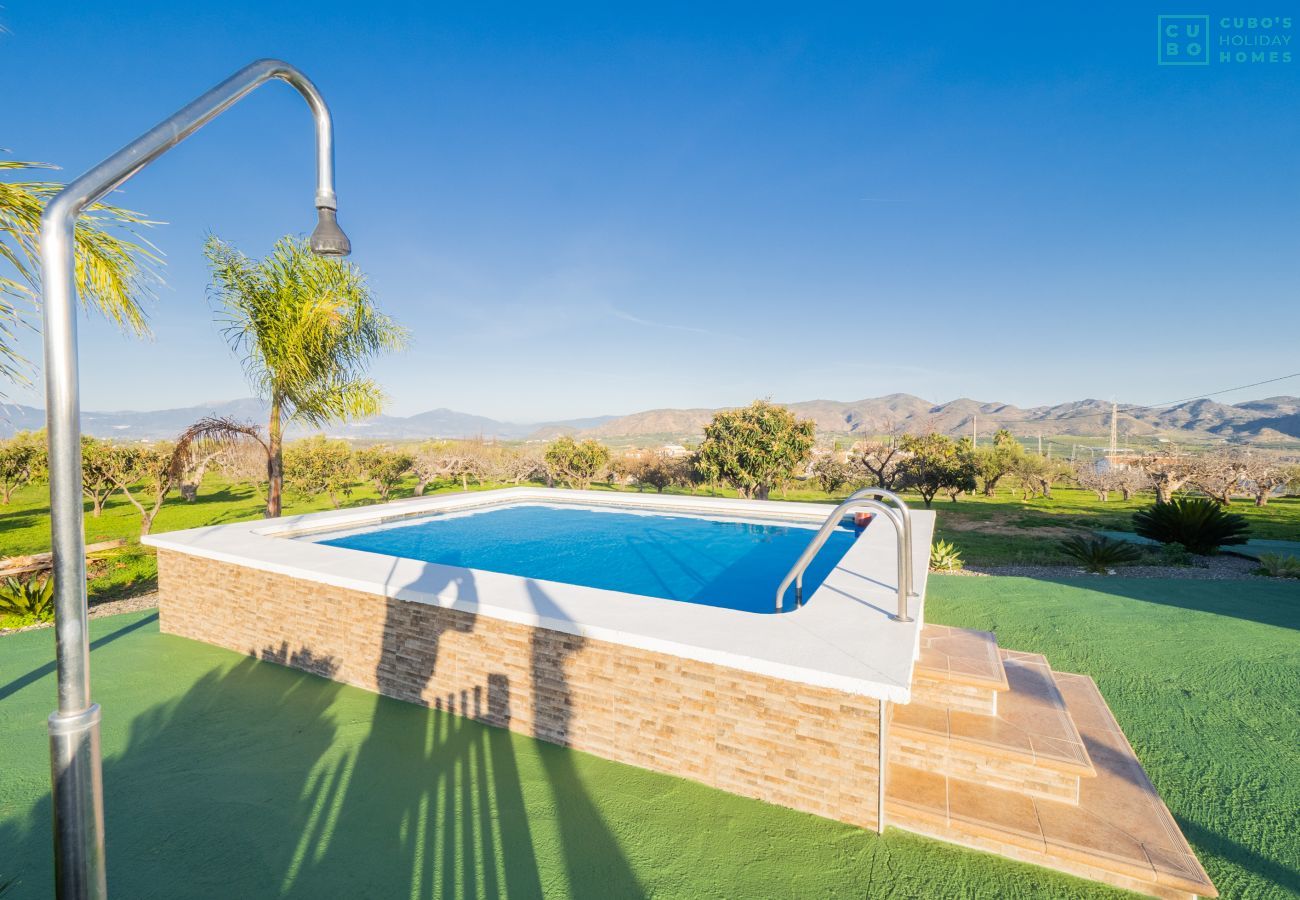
x: 810, y: 748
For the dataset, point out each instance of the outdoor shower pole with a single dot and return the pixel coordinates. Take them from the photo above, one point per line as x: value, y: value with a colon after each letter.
x: 76, y: 780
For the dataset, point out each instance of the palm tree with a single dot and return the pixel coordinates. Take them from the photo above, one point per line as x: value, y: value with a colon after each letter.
x: 307, y: 329
x: 113, y: 272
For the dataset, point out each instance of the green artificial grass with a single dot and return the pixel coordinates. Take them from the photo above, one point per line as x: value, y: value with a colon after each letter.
x: 228, y: 777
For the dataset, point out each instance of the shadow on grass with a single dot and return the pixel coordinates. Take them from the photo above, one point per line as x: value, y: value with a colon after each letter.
x: 263, y: 780
x: 1251, y: 860
x: 1268, y: 602
x: 36, y: 674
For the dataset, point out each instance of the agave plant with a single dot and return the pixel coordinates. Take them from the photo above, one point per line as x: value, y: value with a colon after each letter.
x: 28, y: 599
x: 1100, y: 554
x: 944, y: 557
x: 1200, y: 525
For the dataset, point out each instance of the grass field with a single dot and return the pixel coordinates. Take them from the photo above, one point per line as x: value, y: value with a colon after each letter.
x: 988, y: 531
x: 228, y: 777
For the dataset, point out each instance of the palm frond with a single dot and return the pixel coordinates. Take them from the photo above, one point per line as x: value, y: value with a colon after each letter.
x: 114, y: 267
x: 306, y: 327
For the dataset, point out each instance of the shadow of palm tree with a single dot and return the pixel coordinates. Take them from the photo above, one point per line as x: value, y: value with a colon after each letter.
x: 204, y: 786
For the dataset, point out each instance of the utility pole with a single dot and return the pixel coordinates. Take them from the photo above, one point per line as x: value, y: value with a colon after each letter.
x: 975, y: 430
x: 1040, y: 443
x: 1114, y: 430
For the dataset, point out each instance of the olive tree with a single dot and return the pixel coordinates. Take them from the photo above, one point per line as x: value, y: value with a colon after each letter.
x: 575, y: 463
x: 830, y: 472
x: 998, y: 461
x: 755, y: 448
x: 384, y: 467
x: 935, y: 462
x: 97, y: 473
x: 317, y: 466
x: 145, y: 474
x: 657, y: 470
x: 22, y: 458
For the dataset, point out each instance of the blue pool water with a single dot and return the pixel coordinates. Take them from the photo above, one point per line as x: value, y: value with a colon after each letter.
x: 719, y: 562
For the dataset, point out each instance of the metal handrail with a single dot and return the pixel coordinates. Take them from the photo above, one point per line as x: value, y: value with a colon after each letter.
x: 823, y: 534
x: 879, y: 493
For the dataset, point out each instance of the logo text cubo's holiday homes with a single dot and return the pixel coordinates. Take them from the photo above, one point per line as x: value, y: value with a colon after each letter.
x: 1202, y: 40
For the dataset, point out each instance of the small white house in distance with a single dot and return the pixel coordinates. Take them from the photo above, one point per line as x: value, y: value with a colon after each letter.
x: 674, y: 450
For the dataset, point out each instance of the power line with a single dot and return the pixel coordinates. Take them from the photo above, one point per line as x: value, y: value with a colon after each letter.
x: 1133, y: 409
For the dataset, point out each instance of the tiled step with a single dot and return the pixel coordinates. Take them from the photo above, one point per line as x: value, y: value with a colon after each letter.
x: 1120, y: 832
x: 1030, y: 746
x: 958, y: 668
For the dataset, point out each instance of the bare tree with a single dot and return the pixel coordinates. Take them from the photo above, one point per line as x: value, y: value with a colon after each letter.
x: 1168, y: 472
x: 1129, y: 480
x: 1099, y: 479
x: 878, y: 462
x: 1218, y: 475
x: 1263, y: 474
x: 524, y: 464
x: 244, y: 464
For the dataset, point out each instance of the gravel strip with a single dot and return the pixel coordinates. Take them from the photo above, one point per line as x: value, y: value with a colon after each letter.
x: 109, y: 608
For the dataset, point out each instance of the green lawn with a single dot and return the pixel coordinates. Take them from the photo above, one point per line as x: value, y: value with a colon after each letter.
x: 226, y: 777
x: 987, y: 531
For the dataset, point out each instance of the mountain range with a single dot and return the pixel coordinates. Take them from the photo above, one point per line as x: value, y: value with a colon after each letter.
x: 1270, y: 419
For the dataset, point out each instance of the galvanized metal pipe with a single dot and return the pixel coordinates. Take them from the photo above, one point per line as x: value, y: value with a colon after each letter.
x: 795, y: 574
x: 78, y: 803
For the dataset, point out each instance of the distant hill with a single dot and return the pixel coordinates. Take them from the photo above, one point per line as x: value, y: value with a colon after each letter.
x: 167, y: 423
x: 1275, y: 418
x: 1269, y: 419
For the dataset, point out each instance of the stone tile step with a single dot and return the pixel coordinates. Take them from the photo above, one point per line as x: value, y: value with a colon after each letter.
x: 1120, y: 832
x: 961, y: 656
x: 1031, y: 732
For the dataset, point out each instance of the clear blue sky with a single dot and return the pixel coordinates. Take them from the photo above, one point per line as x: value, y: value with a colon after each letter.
x: 583, y: 210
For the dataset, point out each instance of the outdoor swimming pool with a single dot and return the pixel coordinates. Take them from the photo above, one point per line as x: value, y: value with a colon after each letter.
x: 639, y: 628
x: 734, y: 563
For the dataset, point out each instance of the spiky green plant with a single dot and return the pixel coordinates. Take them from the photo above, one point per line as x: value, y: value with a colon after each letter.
x: 115, y: 269
x: 307, y: 329
x: 944, y: 557
x: 1278, y: 565
x: 31, y: 600
x: 1200, y: 525
x: 1099, y: 554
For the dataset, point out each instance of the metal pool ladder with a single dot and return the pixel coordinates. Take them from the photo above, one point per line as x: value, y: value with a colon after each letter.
x: 899, y: 515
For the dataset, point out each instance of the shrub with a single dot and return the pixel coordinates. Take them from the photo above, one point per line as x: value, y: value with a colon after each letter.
x: 1278, y: 565
x: 944, y: 557
x: 1173, y: 555
x: 1100, y: 554
x: 1200, y: 525
x: 29, y: 600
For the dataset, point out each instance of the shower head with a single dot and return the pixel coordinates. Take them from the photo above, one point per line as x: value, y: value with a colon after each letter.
x: 328, y: 239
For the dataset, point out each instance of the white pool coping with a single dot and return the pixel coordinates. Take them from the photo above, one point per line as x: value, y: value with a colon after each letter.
x: 843, y: 637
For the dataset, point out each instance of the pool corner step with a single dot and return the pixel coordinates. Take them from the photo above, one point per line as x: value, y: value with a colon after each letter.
x: 958, y: 668
x: 1030, y: 746
x: 1118, y: 832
